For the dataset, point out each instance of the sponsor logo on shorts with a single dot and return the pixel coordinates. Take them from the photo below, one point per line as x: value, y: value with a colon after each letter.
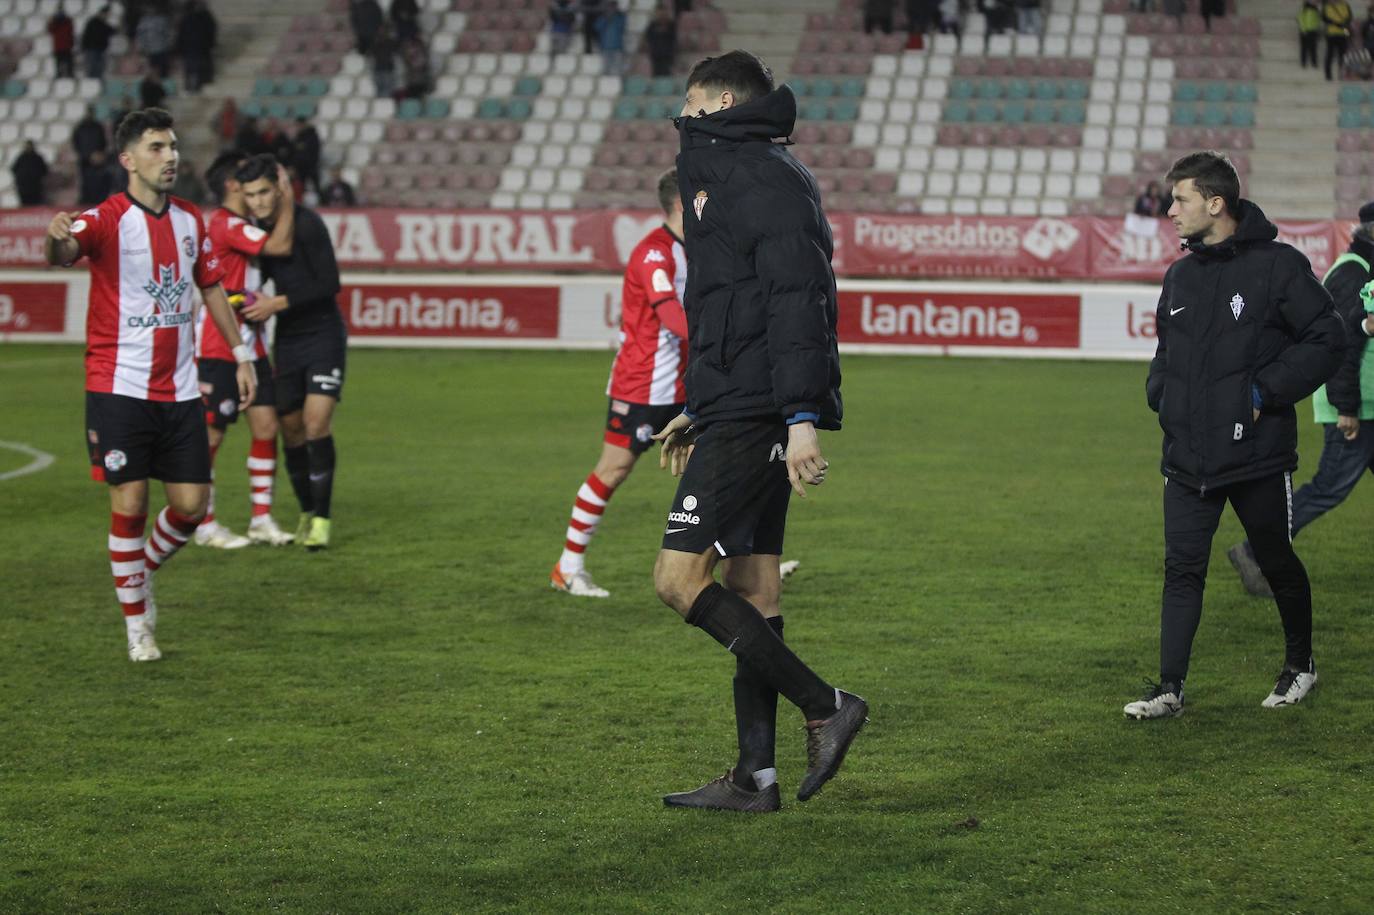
x: 92, y: 436
x: 226, y: 407
x: 683, y: 518
x: 621, y: 407
x: 115, y: 460
x: 689, y: 502
x: 645, y: 433
x: 328, y: 382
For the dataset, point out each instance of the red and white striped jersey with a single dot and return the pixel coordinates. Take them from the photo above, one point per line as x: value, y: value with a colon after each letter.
x: 140, y: 335
x: 652, y: 359
x: 234, y: 241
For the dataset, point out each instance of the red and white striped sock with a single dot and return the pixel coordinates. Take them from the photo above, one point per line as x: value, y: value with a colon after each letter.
x: 209, y: 519
x: 170, y: 533
x: 591, y: 501
x: 262, y: 470
x: 126, y: 562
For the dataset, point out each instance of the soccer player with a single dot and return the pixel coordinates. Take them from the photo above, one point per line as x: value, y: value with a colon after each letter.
x: 311, y: 344
x: 763, y: 374
x: 234, y: 243
x: 1344, y: 405
x: 1245, y: 332
x: 143, y: 408
x: 645, y: 388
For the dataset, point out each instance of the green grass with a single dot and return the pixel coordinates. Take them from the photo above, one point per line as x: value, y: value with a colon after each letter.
x: 415, y: 722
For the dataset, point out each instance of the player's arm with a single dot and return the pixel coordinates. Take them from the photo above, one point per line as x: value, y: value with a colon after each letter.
x: 1154, y: 381
x: 314, y: 282
x: 59, y: 247
x: 282, y: 237
x: 672, y: 316
x: 1315, y: 328
x: 222, y: 313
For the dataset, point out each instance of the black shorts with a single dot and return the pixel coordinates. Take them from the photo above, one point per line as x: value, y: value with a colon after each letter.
x: 632, y: 425
x: 733, y: 496
x: 219, y: 390
x: 310, y: 364
x: 131, y: 439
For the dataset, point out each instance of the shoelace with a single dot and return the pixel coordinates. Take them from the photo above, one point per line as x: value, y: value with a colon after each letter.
x: 1286, y: 679
x: 813, y: 747
x: 1154, y: 690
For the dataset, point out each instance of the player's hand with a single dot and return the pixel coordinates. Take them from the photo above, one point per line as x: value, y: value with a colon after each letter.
x: 263, y: 307
x: 1349, y: 426
x: 247, y: 377
x: 678, y: 438
x: 804, y: 461
x: 60, y: 229
x: 284, y: 185
x: 1369, y: 325
x: 1255, y: 416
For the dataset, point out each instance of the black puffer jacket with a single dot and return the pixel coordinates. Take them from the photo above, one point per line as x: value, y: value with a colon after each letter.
x: 1344, y: 282
x: 1242, y: 315
x: 761, y: 302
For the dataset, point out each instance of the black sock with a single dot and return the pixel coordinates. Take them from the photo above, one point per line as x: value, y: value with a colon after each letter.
x: 756, y: 719
x: 298, y: 471
x: 321, y: 473
x: 738, y: 625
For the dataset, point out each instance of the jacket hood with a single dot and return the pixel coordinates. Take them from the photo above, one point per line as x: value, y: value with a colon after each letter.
x: 1253, y: 226
x: 762, y: 119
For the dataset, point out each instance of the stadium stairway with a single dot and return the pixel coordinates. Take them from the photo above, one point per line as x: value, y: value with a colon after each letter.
x: 1293, y: 164
x: 769, y: 28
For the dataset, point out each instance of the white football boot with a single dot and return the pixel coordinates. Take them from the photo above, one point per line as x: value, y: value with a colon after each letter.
x: 1292, y: 686
x: 578, y: 584
x: 264, y: 529
x: 1163, y: 700
x: 220, y: 537
x: 787, y: 568
x: 142, y: 646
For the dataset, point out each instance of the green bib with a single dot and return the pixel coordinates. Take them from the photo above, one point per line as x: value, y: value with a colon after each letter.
x: 1321, y: 406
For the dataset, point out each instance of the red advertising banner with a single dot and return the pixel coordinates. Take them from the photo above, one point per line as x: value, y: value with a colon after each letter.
x: 960, y: 319
x: 1134, y: 248
x: 408, y: 310
x: 964, y: 246
x: 33, y: 308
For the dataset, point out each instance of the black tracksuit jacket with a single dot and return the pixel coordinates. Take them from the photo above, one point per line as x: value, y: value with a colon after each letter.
x: 761, y: 302
x: 1243, y: 314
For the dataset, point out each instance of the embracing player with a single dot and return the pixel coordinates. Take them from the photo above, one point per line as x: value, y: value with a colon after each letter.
x: 646, y: 381
x: 234, y: 243
x: 143, y: 408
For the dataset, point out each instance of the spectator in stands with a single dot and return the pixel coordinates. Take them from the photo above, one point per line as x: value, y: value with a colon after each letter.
x: 405, y: 20
x: 384, y: 63
x: 88, y: 138
x: 612, y: 35
x: 921, y: 16
x: 1309, y: 30
x: 226, y: 123
x: 29, y: 172
x: 133, y: 12
x: 591, y: 20
x: 951, y: 22
x: 305, y: 153
x: 419, y: 75
x: 154, y: 40
x: 878, y: 15
x: 1151, y: 201
x: 660, y: 38
x: 1357, y: 64
x: 1212, y: 9
x: 276, y: 142
x: 1176, y: 8
x: 63, y: 33
x: 1366, y: 33
x: 96, y: 181
x: 1143, y: 6
x: 562, y: 17
x: 248, y: 140
x: 95, y: 43
x: 997, y: 14
x: 189, y: 185
x: 119, y: 111
x: 338, y: 192
x: 1028, y: 18
x: 1337, y: 16
x: 151, y: 91
x: 196, y: 38
x: 366, y: 18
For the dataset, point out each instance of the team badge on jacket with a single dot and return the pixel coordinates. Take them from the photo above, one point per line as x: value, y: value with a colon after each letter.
x: 1237, y: 305
x: 699, y: 203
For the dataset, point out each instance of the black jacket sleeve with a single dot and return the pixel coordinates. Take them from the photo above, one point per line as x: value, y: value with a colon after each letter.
x: 1311, y: 321
x: 1154, y: 382
x: 782, y: 227
x: 1343, y: 390
x: 316, y: 282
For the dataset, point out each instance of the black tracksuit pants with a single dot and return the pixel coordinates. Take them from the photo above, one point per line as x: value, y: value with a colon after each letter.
x: 1265, y: 509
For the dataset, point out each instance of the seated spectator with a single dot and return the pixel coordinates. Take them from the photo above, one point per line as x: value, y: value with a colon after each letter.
x: 878, y: 15
x: 384, y: 63
x: 660, y: 39
x: 1151, y: 202
x: 338, y: 192
x: 96, y: 180
x: 151, y: 92
x: 154, y: 40
x: 30, y: 171
x: 95, y: 43
x: 366, y: 19
x: 63, y: 33
x: 196, y: 38
x: 419, y: 77
x: 612, y: 32
x: 1028, y: 18
x: 562, y: 16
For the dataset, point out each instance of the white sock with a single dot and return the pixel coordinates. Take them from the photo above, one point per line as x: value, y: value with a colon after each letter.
x: 765, y: 777
x: 570, y: 563
x: 135, y: 626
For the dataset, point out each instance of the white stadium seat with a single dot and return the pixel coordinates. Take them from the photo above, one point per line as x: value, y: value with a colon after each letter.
x: 911, y: 184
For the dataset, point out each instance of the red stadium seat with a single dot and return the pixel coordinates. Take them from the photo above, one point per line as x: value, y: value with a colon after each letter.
x: 950, y: 135
x: 468, y: 156
x: 1348, y: 141
x: 882, y: 183
x: 858, y: 157
x: 839, y: 134
x: 607, y: 157
x: 1009, y: 136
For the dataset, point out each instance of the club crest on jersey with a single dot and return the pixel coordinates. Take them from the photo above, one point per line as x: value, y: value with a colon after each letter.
x: 1237, y: 305
x: 168, y: 292
x: 699, y: 203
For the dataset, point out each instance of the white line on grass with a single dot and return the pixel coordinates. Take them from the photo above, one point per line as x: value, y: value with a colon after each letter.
x: 41, y: 460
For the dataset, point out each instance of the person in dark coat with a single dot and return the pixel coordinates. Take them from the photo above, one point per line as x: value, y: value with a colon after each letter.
x: 63, y: 33
x: 763, y: 374
x: 1344, y: 406
x: 95, y: 43
x: 660, y: 40
x: 249, y: 140
x: 96, y: 180
x: 405, y: 20
x: 591, y: 22
x: 1245, y: 331
x: 366, y: 18
x: 151, y: 92
x: 305, y: 153
x: 338, y: 192
x: 878, y: 15
x: 88, y: 136
x: 30, y: 171
x: 196, y: 38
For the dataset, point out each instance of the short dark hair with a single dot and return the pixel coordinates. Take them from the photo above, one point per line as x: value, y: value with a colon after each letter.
x: 263, y: 165
x: 667, y: 189
x: 220, y: 170
x: 1213, y: 174
x: 136, y: 123
x: 739, y: 72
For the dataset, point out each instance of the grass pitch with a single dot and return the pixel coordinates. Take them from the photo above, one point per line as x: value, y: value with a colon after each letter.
x: 413, y: 721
